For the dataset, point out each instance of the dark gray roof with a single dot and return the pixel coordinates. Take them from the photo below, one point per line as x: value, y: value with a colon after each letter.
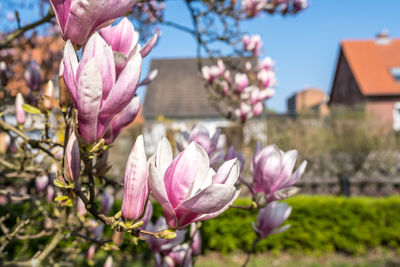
x: 178, y: 91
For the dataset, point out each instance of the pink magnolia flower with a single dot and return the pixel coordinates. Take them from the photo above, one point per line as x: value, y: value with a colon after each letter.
x: 241, y: 82
x: 136, y: 191
x: 260, y: 95
x: 244, y: 112
x: 271, y: 217
x: 32, y: 75
x: 253, y: 43
x: 91, y: 252
x: 124, y: 42
x: 109, y: 261
x: 267, y: 63
x: 201, y: 136
x: 107, y: 200
x: 148, y: 213
x: 266, y: 78
x: 80, y: 207
x: 299, y: 5
x: 50, y: 193
x: 79, y: 19
x: 253, y: 7
x: 162, y: 245
x: 5, y: 141
x: 232, y: 153
x: 187, y: 188
x: 72, y: 161
x: 196, y: 243
x: 179, y: 256
x: 258, y: 109
x: 19, y: 111
x: 146, y: 81
x: 94, y: 87
x: 212, y: 72
x: 272, y: 171
x: 41, y: 182
x: 122, y: 120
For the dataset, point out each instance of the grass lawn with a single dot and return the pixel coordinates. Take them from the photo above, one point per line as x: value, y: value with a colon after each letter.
x: 374, y: 258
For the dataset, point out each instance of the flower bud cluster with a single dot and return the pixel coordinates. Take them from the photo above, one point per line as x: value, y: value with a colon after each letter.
x: 243, y: 93
x: 253, y: 7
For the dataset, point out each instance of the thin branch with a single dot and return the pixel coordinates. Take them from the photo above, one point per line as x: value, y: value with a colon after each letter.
x: 6, y: 43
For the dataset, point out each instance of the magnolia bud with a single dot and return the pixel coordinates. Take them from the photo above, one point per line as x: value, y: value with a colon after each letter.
x: 19, y: 111
x: 32, y: 76
x: 4, y: 142
x: 72, y: 161
x: 65, y: 97
x: 48, y: 93
x: 118, y: 238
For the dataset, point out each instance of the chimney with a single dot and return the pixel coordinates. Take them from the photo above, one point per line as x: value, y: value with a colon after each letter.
x: 383, y: 38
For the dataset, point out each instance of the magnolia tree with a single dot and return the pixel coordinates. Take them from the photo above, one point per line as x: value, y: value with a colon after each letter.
x: 55, y: 194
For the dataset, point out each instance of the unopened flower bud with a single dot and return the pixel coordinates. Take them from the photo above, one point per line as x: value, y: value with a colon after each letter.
x: 19, y: 111
x: 72, y: 161
x: 41, y: 182
x: 32, y: 76
x: 65, y: 97
x: 118, y: 238
x: 136, y: 191
x: 48, y: 93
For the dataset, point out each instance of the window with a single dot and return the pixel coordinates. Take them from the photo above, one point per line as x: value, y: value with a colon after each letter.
x: 395, y: 71
x: 396, y: 116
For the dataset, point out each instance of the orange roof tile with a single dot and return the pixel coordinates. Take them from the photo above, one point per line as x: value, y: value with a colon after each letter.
x: 370, y: 63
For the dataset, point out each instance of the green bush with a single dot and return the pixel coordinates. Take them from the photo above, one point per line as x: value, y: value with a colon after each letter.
x: 318, y: 224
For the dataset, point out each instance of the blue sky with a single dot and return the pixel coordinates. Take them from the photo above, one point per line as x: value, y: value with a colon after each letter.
x: 304, y: 46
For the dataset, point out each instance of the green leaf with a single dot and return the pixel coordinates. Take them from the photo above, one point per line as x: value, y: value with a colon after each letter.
x: 69, y: 203
x: 61, y: 198
x: 31, y: 109
x: 59, y: 184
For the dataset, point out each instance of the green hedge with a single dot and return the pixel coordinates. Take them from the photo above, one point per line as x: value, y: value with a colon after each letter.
x: 318, y: 224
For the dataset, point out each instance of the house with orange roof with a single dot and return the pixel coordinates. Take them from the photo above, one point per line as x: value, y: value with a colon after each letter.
x: 368, y: 73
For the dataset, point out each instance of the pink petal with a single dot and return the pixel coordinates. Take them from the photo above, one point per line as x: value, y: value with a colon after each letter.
x: 136, y: 190
x: 88, y: 100
x: 209, y: 216
x: 70, y: 62
x: 83, y: 16
x: 163, y: 155
x: 211, y: 199
x: 125, y: 86
x: 181, y: 174
x: 228, y: 173
x: 125, y: 117
x: 149, y: 46
x: 113, y: 10
x: 160, y: 194
x: 122, y: 37
x: 61, y: 9
x: 72, y: 159
x: 97, y: 48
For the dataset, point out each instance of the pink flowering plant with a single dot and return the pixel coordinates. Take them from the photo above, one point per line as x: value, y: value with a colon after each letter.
x: 239, y: 96
x: 57, y: 136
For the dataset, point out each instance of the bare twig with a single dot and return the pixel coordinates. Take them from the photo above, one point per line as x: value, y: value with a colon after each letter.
x: 7, y: 41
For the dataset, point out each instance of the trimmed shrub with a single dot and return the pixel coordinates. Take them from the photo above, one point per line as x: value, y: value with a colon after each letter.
x: 318, y: 224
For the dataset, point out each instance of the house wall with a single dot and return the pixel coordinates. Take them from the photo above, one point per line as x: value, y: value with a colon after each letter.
x: 308, y: 98
x: 345, y: 89
x: 381, y: 111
